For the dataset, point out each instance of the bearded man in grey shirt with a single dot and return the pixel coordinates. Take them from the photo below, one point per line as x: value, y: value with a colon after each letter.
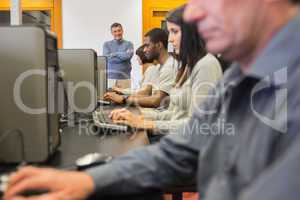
x: 243, y: 143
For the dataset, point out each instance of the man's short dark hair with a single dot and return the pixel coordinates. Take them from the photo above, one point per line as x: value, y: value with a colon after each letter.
x: 114, y: 25
x: 157, y: 35
x: 295, y: 1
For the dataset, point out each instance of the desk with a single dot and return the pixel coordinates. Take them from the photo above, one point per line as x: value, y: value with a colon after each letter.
x: 78, y: 141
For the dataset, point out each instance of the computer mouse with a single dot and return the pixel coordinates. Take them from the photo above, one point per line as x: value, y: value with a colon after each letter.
x: 92, y: 159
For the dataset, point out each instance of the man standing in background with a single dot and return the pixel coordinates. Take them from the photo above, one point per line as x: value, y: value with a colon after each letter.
x: 119, y: 53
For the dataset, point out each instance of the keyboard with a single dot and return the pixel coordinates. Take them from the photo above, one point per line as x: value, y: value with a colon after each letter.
x: 105, y: 124
x: 102, y: 116
x: 5, y: 172
x: 104, y: 103
x: 4, y: 178
x: 105, y: 127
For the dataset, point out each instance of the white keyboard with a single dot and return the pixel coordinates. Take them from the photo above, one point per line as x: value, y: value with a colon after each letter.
x: 3, y: 183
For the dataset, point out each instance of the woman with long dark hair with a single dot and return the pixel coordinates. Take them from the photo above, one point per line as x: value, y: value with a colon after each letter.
x: 198, y: 72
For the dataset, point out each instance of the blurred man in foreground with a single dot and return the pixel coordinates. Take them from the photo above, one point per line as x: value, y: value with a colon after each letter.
x: 254, y: 153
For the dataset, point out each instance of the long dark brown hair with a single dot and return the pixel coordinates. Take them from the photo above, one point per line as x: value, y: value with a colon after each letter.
x: 192, y: 46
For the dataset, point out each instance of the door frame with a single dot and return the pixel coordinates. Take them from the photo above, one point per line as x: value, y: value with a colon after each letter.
x: 55, y: 8
x: 149, y: 6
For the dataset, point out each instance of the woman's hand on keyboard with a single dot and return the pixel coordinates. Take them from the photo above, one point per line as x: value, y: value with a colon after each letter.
x: 117, y: 90
x: 124, y: 116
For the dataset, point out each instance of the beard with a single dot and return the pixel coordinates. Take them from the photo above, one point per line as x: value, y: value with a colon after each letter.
x: 153, y: 56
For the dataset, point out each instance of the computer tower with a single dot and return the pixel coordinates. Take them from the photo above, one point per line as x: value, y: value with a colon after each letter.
x: 102, y: 75
x: 80, y: 75
x: 29, y: 121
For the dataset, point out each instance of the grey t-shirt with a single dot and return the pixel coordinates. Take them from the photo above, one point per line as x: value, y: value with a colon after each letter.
x: 151, y: 77
x: 167, y: 76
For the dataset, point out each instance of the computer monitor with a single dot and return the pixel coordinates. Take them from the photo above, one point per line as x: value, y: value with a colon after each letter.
x: 29, y: 121
x: 102, y: 78
x: 80, y: 75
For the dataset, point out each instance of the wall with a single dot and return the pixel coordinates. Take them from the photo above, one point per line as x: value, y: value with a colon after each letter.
x: 86, y: 24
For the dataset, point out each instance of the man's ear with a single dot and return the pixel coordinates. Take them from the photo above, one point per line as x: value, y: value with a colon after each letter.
x: 159, y: 45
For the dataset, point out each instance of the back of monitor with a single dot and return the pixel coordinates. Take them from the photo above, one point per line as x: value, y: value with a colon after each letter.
x: 79, y: 72
x: 29, y: 121
x: 102, y: 78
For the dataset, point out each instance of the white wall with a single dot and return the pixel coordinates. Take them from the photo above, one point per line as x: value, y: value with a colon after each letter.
x: 86, y: 24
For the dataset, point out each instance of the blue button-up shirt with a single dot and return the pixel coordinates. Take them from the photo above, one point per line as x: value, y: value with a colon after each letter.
x: 119, y: 54
x: 242, y: 143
